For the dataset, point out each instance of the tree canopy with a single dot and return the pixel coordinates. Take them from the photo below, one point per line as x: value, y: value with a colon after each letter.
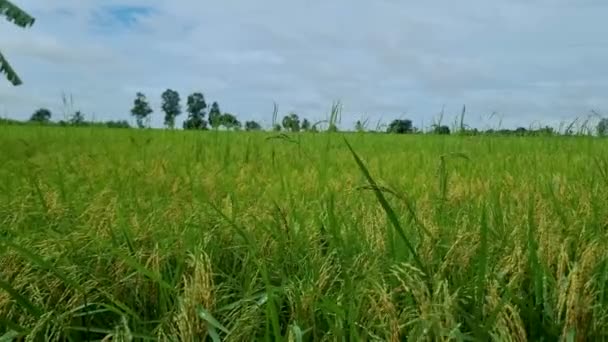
x: 400, y: 126
x: 291, y: 122
x: 141, y: 109
x: 215, y: 115
x: 196, y: 106
x: 171, y: 107
x: 230, y: 121
x: 252, y: 126
x: 42, y: 115
x: 602, y: 127
x: 441, y: 129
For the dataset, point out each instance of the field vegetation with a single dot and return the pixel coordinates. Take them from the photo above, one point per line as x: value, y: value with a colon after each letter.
x: 237, y: 236
x: 214, y: 233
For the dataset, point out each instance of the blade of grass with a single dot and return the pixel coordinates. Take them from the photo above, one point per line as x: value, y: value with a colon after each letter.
x: 387, y: 208
x: 110, y: 332
x: 10, y: 336
x: 208, y: 317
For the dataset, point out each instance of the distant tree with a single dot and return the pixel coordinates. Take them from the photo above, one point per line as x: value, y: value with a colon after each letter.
x: 291, y: 122
x: 400, y: 126
x: 359, y: 126
x: 196, y: 106
x: 252, y: 126
x: 77, y: 119
x: 171, y: 107
x: 441, y: 129
x: 276, y: 128
x: 305, y: 125
x: 42, y: 115
x: 332, y: 128
x: 602, y: 127
x: 117, y: 124
x: 230, y: 121
x: 545, y: 131
x: 19, y: 18
x: 521, y: 131
x: 141, y: 109
x: 215, y: 115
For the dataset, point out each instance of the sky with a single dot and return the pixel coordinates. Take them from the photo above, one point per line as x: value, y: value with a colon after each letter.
x: 528, y: 62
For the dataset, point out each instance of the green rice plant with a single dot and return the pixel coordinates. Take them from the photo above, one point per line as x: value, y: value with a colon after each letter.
x: 233, y: 236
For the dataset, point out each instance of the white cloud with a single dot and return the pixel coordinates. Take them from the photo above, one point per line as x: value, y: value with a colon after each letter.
x: 530, y: 60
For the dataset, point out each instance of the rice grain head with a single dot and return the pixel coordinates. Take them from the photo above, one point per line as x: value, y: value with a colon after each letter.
x: 198, y: 290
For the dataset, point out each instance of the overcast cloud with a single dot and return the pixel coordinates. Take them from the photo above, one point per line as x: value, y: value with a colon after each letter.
x: 536, y: 60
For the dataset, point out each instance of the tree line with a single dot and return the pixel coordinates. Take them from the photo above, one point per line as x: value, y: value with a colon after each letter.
x: 199, y: 119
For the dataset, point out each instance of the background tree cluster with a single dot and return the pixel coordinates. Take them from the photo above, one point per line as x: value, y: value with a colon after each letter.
x: 196, y: 107
x: 43, y: 116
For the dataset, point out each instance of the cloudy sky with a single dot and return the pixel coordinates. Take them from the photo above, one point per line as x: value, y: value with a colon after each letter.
x: 528, y: 61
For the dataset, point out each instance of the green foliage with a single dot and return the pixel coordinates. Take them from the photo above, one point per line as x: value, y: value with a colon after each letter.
x: 77, y: 118
x: 14, y: 14
x: 276, y: 127
x: 20, y: 18
x: 252, y: 126
x: 273, y: 237
x: 441, y: 130
x: 399, y: 126
x: 141, y: 110
x: 42, y: 115
x: 117, y: 124
x: 215, y: 115
x: 291, y: 122
x: 305, y: 125
x: 230, y: 121
x: 62, y: 123
x: 359, y: 126
x: 602, y: 127
x: 520, y: 131
x: 196, y: 112
x: 171, y: 107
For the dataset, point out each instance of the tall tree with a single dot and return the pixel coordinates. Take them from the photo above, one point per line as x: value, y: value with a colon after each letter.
x: 215, y: 115
x: 252, y: 126
x: 20, y: 18
x: 171, y: 107
x: 42, y: 115
x: 141, y: 109
x: 196, y: 106
x: 291, y: 122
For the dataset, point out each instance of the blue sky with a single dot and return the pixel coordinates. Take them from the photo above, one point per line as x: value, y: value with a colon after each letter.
x: 535, y: 61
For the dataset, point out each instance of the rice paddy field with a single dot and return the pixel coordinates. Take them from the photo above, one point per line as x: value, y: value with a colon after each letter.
x: 131, y: 235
